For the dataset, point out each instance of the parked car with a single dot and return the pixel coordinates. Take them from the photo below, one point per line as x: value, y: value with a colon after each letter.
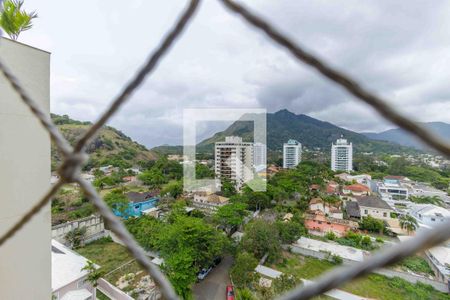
x: 203, y: 273
x: 217, y: 260
x: 230, y: 292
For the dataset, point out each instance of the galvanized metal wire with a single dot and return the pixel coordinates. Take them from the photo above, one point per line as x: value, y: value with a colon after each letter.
x: 73, y: 158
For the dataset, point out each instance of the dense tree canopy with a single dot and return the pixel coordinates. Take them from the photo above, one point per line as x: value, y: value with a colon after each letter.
x: 260, y: 238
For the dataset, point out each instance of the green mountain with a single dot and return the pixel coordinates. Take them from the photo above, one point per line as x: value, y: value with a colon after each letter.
x: 110, y: 147
x: 312, y: 133
x: 404, y: 138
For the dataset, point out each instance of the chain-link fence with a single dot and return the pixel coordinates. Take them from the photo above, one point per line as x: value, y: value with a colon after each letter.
x: 74, y: 157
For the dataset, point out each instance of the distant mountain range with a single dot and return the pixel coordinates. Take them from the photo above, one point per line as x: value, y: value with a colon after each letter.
x: 404, y: 138
x: 284, y: 125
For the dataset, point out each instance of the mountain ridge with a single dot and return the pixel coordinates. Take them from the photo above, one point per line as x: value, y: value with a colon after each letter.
x: 312, y: 133
x: 401, y: 137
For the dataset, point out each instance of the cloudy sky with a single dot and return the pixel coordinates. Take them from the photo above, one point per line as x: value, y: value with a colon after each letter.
x: 401, y: 50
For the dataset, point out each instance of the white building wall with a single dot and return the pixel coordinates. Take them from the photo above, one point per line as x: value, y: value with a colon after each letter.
x: 236, y: 155
x: 24, y: 175
x: 378, y: 213
x: 342, y: 156
x: 292, y: 154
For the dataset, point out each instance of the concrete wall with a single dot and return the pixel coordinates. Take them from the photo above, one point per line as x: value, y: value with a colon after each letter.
x: 111, y: 291
x: 94, y: 225
x: 24, y: 175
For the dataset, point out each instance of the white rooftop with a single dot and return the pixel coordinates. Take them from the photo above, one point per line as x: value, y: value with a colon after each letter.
x: 345, y: 252
x: 268, y: 272
x: 66, y: 266
x: 430, y: 210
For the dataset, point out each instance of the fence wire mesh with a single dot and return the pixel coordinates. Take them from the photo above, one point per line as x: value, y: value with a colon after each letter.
x: 74, y: 157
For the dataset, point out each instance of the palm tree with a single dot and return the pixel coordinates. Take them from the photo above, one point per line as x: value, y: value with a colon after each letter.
x: 408, y: 223
x: 13, y: 19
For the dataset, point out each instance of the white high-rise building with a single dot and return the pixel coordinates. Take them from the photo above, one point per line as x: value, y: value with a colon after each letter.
x: 234, y: 160
x: 292, y: 154
x: 259, y: 155
x: 342, y: 155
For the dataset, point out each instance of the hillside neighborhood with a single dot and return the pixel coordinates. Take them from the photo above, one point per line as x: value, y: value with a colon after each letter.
x: 234, y: 174
x: 311, y: 217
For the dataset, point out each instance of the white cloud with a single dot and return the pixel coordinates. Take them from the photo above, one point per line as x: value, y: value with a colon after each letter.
x: 399, y: 51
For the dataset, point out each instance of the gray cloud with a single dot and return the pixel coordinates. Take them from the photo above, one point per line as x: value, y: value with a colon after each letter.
x: 398, y: 50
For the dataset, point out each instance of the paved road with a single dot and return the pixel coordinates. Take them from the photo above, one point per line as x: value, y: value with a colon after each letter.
x: 214, y: 285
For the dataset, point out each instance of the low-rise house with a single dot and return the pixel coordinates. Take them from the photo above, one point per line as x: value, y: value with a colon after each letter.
x: 318, y: 224
x: 361, y: 178
x: 208, y: 202
x: 375, y: 207
x: 439, y: 257
x: 69, y: 281
x: 153, y: 212
x: 394, y: 188
x: 332, y: 188
x: 356, y: 189
x: 331, y: 210
x: 138, y: 203
x: 272, y: 170
x: 429, y: 215
x: 422, y: 189
x: 352, y: 209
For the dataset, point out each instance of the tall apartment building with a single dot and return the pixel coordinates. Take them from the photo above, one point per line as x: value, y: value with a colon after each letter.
x: 25, y: 259
x: 342, y: 155
x: 234, y: 160
x: 259, y: 155
x: 292, y: 154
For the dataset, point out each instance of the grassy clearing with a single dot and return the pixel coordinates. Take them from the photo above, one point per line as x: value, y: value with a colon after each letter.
x: 372, y: 286
x: 109, y: 256
x: 416, y: 264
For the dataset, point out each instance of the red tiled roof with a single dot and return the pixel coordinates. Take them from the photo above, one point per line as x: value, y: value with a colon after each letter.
x: 357, y: 188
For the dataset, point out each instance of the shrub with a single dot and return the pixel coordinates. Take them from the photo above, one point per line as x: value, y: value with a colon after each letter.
x: 331, y: 235
x: 336, y: 259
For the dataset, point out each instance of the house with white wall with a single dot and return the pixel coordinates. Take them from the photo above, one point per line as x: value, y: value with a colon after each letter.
x: 429, y: 215
x: 68, y: 279
x: 375, y: 207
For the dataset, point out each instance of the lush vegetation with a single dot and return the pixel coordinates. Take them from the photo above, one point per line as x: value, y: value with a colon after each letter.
x: 400, y: 166
x: 356, y: 240
x: 408, y: 223
x: 373, y: 286
x: 416, y: 264
x: 372, y: 224
x: 110, y: 147
x: 186, y: 243
x: 70, y: 204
